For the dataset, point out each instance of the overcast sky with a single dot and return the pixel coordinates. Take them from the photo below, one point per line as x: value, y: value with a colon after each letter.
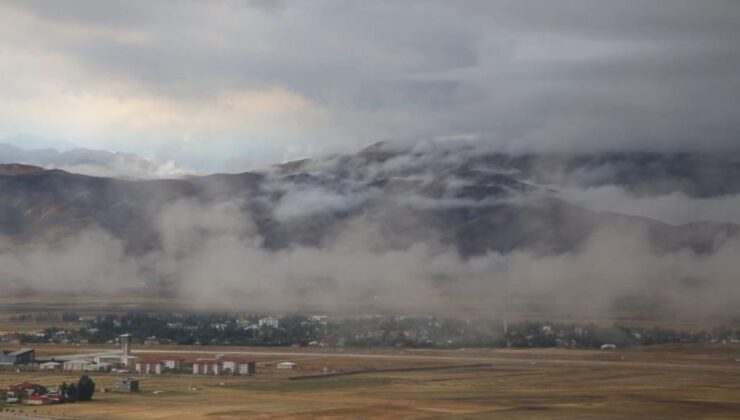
x: 228, y: 84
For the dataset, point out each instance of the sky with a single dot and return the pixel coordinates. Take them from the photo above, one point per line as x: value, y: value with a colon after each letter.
x: 229, y: 85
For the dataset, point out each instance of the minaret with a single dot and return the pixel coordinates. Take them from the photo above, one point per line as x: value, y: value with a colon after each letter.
x: 125, y: 348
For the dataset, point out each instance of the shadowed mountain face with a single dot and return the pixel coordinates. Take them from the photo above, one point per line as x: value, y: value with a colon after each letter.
x: 460, y: 198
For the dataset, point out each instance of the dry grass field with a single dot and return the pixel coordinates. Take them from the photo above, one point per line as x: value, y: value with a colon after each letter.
x: 653, y: 382
x: 664, y: 382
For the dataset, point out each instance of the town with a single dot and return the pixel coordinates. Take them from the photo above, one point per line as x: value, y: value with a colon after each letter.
x: 362, y: 331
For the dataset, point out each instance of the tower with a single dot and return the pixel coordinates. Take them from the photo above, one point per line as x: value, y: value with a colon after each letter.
x: 125, y: 340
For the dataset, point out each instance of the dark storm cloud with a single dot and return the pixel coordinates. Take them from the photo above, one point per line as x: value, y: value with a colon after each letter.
x: 522, y: 75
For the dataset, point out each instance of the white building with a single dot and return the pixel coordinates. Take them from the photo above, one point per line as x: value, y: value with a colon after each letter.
x: 286, y: 365
x: 269, y: 322
x: 173, y: 362
x: 76, y: 365
x: 152, y: 366
x: 237, y: 366
x: 98, y: 367
x: 159, y: 365
x: 125, y: 340
x: 50, y: 366
x: 112, y: 359
x: 207, y: 367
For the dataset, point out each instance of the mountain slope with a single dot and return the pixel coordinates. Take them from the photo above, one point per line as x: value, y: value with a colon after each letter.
x: 472, y: 202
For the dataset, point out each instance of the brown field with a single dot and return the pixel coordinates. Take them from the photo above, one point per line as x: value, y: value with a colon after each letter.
x: 682, y: 381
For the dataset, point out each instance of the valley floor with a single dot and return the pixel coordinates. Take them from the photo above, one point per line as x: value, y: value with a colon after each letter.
x: 670, y: 382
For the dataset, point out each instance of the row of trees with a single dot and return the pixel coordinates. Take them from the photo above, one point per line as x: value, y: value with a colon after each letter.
x: 225, y: 329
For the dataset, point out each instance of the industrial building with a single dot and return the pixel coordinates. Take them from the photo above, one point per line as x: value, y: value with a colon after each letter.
x: 18, y: 357
x: 126, y: 385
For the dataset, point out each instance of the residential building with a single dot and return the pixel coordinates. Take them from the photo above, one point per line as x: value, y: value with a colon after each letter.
x: 24, y: 389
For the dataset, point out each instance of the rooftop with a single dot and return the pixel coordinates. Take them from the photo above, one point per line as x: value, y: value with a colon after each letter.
x: 20, y: 352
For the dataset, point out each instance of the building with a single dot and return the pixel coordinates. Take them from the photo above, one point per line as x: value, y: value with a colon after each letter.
x: 125, y: 340
x: 37, y: 400
x: 126, y: 385
x: 150, y: 366
x: 129, y: 364
x: 173, y: 363
x: 207, y: 367
x: 50, y: 366
x: 18, y: 357
x: 238, y: 366
x: 98, y: 367
x: 111, y: 359
x: 286, y: 365
x: 25, y: 389
x: 78, y: 365
x: 159, y: 365
x: 224, y: 366
x: 269, y: 321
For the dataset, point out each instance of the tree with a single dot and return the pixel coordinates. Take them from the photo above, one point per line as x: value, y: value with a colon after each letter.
x: 72, y: 392
x: 63, y: 389
x: 85, y: 388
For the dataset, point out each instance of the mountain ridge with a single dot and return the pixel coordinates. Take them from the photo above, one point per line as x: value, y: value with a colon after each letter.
x: 492, y: 205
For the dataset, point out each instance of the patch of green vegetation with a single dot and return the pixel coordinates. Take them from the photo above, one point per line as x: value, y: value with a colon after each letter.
x: 313, y: 384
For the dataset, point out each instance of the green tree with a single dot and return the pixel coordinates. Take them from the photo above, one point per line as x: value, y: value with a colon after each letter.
x: 63, y: 389
x: 72, y: 392
x: 85, y: 388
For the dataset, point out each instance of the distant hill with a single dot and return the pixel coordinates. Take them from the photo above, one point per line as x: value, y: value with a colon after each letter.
x: 90, y: 162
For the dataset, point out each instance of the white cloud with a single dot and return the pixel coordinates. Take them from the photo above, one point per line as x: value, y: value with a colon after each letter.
x: 675, y: 208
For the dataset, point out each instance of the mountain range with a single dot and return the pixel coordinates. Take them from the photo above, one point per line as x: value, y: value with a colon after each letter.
x: 90, y: 162
x: 458, y: 197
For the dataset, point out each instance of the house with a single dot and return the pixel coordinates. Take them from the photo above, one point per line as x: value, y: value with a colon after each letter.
x: 238, y: 366
x: 23, y: 389
x: 126, y: 385
x: 207, y: 367
x: 76, y: 365
x: 18, y: 357
x: 50, y: 366
x: 286, y: 365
